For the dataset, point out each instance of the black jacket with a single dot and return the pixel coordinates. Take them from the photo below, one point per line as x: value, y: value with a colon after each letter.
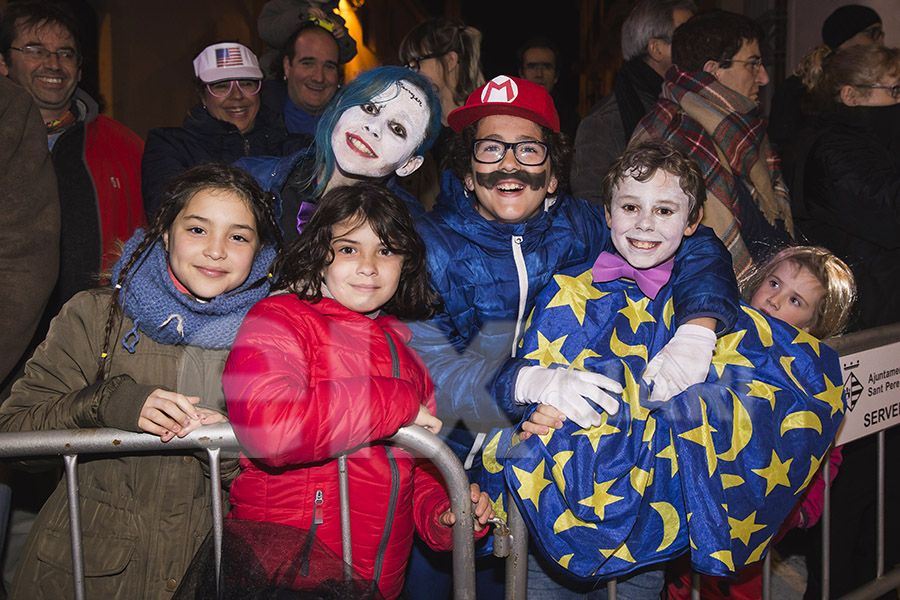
x: 849, y: 201
x: 203, y: 139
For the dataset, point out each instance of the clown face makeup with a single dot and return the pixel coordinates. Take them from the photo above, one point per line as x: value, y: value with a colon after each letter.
x: 648, y: 219
x: 381, y: 137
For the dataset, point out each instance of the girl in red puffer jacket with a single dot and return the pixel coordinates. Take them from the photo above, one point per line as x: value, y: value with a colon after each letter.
x: 324, y: 369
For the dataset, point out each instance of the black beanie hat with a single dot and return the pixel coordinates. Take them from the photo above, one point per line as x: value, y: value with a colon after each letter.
x: 845, y: 22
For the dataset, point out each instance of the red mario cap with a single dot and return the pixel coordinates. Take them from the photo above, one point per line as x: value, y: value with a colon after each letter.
x: 504, y: 95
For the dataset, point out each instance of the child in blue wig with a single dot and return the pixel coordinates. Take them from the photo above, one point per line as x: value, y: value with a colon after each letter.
x: 379, y: 125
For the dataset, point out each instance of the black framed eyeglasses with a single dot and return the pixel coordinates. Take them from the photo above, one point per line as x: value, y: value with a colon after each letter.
x: 414, y: 63
x: 64, y: 56
x: 248, y: 87
x: 755, y: 63
x: 528, y: 153
x: 893, y: 90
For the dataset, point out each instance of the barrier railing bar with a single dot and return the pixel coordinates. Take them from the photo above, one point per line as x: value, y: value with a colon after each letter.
x: 826, y: 527
x: 695, y: 585
x: 426, y: 443
x: 877, y: 587
x: 611, y: 591
x: 215, y: 493
x: 71, y: 461
x: 70, y: 443
x: 344, y: 496
x: 879, y: 528
x: 767, y: 576
x: 517, y: 562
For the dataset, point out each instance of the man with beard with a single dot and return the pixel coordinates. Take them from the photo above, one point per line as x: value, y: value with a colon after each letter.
x: 500, y: 231
x: 647, y: 55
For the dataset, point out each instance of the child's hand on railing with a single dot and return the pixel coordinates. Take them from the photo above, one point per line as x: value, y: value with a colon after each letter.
x: 168, y: 414
x: 208, y: 416
x: 483, y: 510
x: 541, y: 421
x: 427, y: 420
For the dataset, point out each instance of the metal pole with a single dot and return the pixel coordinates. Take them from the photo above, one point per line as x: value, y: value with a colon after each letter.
x: 344, y: 492
x: 517, y: 561
x: 423, y: 441
x: 215, y: 490
x: 826, y: 528
x: 767, y: 576
x: 71, y: 461
x: 879, y: 527
x: 695, y: 585
x: 611, y: 592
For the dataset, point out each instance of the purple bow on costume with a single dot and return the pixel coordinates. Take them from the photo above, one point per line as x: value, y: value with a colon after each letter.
x: 610, y: 267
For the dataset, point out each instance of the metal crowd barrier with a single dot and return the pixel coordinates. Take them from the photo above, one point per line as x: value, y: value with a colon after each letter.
x: 213, y: 438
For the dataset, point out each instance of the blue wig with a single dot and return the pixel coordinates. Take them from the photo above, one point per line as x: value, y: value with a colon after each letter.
x: 361, y: 90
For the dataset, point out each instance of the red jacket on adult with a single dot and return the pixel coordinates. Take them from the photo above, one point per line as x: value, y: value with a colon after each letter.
x: 305, y: 382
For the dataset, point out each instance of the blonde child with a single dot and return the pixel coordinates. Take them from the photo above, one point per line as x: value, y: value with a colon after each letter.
x: 324, y: 369
x: 145, y: 355
x: 813, y: 290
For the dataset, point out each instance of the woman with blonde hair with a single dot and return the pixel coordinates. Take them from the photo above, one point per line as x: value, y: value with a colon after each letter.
x: 846, y: 194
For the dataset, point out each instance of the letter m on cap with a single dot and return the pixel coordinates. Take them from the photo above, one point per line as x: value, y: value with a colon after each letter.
x: 500, y: 89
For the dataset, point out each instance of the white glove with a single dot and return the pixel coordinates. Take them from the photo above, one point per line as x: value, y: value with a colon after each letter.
x: 683, y: 362
x: 566, y: 390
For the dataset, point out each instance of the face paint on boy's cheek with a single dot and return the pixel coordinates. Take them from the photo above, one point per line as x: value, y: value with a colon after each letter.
x: 535, y: 181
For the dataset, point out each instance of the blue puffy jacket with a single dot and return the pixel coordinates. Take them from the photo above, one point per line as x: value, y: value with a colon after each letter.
x: 272, y: 172
x: 489, y: 274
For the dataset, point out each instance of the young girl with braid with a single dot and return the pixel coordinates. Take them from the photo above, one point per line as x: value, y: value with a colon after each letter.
x: 145, y: 354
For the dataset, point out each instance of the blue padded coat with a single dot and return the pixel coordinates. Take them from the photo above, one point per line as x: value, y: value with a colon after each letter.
x: 489, y: 274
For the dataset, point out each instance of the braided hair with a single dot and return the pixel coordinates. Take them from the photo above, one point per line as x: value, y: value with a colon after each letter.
x: 212, y: 176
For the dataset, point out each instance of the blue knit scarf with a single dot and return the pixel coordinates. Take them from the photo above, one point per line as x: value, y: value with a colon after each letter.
x: 158, y: 309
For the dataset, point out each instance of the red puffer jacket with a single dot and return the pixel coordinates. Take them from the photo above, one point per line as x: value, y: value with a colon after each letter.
x: 305, y: 382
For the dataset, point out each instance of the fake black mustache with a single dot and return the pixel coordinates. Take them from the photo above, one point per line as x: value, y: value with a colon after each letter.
x: 535, y: 181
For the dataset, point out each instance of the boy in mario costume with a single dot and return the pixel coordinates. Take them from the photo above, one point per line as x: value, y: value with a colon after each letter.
x: 502, y: 227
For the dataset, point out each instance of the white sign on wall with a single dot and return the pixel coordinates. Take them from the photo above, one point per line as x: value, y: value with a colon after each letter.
x: 872, y: 388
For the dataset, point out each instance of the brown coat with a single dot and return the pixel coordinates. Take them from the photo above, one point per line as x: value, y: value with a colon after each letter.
x: 29, y: 222
x: 143, y: 516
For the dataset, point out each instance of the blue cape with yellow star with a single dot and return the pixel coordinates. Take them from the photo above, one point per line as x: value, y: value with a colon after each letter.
x: 715, y: 469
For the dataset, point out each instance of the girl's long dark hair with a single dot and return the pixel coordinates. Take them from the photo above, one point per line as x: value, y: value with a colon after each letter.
x: 300, y: 269
x: 213, y: 177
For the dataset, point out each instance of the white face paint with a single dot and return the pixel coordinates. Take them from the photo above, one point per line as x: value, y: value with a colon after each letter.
x: 381, y: 137
x: 648, y: 219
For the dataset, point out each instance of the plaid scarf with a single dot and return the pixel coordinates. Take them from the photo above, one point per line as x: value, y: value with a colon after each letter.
x: 725, y: 133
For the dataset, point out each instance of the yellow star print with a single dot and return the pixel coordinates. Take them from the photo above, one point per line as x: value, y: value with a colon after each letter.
x: 578, y: 363
x: 805, y: 338
x: 786, y: 362
x: 621, y: 552
x: 636, y: 313
x: 549, y: 353
x: 531, y: 484
x: 559, y: 463
x: 776, y: 473
x: 742, y: 530
x: 763, y: 390
x: 575, y: 292
x: 757, y: 554
x: 703, y: 435
x: 763, y: 330
x: 595, y: 433
x: 601, y: 498
x: 833, y: 396
x: 727, y: 352
x: 568, y: 520
x: 622, y: 349
x: 669, y: 452
x: 813, y: 467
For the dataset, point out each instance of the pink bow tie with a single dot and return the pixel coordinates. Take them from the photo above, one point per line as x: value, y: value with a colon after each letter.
x: 609, y: 267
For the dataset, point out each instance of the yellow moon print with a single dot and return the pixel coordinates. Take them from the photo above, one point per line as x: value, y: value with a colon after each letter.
x: 671, y: 523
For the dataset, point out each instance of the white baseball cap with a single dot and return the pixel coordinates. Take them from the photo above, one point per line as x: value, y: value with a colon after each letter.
x: 224, y: 61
